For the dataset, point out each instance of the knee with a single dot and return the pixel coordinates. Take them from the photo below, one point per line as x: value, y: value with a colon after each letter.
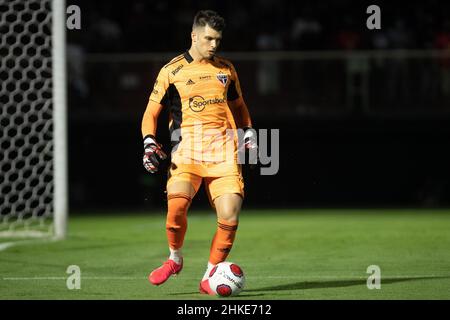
x: 229, y: 214
x: 231, y: 219
x: 228, y: 208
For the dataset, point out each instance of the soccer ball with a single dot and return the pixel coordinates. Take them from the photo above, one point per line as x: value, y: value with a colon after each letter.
x: 226, y: 279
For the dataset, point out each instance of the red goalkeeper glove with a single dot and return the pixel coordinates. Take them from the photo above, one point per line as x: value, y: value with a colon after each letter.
x: 153, y: 154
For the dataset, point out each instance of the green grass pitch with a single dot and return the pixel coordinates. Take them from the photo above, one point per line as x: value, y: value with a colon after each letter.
x: 285, y: 254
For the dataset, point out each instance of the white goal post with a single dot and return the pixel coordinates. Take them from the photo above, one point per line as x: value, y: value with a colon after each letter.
x: 33, y: 119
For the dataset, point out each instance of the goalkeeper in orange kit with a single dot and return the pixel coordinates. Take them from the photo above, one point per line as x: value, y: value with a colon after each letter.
x: 203, y: 94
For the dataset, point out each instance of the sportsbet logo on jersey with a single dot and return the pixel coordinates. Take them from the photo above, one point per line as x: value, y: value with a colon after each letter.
x: 198, y: 103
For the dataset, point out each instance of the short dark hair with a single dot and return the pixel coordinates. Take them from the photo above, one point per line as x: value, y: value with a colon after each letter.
x: 210, y: 18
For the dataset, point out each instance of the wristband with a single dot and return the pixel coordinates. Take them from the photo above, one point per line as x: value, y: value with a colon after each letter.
x: 148, y: 139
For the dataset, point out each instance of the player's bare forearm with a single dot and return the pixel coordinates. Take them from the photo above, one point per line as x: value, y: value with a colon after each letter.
x: 240, y: 113
x: 150, y: 118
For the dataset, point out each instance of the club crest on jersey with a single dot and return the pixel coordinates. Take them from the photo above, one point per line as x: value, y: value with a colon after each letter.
x: 223, y: 78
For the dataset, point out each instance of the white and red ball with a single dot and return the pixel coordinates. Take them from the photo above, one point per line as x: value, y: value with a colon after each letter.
x: 226, y: 279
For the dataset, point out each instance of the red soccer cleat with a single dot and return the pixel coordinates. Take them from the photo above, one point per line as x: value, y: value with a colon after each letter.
x: 204, y: 288
x: 161, y: 274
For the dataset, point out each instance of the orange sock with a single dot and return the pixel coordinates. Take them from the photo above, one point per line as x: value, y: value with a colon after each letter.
x: 222, y: 241
x: 176, y: 222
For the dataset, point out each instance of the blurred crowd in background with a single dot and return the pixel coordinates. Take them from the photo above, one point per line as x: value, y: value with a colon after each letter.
x: 160, y: 25
x: 314, y: 86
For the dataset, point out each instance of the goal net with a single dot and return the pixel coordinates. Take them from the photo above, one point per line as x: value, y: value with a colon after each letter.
x: 33, y: 170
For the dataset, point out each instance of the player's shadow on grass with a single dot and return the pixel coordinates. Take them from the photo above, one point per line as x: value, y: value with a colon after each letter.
x: 304, y: 285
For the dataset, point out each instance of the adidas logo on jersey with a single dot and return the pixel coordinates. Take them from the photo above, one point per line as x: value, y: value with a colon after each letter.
x: 190, y: 82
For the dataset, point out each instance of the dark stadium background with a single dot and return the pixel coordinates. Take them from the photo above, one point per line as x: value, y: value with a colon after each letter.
x: 388, y: 151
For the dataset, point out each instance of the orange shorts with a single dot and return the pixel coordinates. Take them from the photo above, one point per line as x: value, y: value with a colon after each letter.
x: 214, y: 186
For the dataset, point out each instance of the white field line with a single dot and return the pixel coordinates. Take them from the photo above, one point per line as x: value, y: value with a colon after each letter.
x: 6, y: 245
x: 306, y: 279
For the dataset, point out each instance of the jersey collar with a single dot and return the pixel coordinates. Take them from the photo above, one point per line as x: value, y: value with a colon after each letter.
x: 189, y: 58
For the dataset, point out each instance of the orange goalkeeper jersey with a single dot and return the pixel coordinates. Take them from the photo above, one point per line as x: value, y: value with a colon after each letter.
x: 201, y: 123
